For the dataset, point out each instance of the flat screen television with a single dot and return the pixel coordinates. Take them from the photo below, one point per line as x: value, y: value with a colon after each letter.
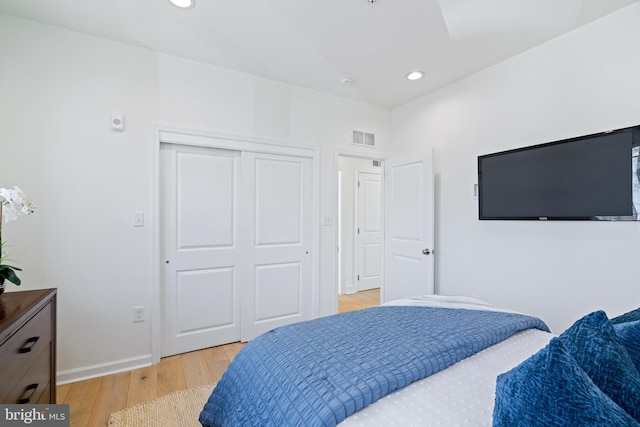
x: 592, y: 177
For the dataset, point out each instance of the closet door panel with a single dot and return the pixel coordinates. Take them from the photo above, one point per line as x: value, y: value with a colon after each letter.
x: 200, y: 187
x: 277, y: 261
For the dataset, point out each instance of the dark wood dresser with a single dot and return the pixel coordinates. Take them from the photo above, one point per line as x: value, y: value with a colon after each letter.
x: 28, y: 347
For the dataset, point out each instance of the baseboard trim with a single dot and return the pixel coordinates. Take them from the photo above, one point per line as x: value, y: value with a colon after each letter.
x: 100, y: 370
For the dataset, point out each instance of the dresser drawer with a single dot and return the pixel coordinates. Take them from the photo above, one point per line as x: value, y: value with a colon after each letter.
x: 31, y: 386
x: 25, y: 348
x: 46, y: 396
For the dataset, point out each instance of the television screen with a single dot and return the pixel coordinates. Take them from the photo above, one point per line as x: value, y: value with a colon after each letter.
x: 592, y: 177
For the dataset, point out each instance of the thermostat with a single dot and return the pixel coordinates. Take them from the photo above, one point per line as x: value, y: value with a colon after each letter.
x: 117, y: 122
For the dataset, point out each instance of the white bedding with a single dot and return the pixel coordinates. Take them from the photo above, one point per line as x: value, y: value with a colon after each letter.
x: 449, y: 301
x: 461, y: 395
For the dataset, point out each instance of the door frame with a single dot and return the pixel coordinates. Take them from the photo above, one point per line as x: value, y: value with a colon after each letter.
x: 342, y: 152
x: 163, y: 134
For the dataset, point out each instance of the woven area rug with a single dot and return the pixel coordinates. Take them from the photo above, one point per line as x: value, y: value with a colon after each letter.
x: 180, y: 409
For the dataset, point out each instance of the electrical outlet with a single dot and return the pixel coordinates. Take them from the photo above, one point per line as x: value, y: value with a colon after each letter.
x: 138, y: 314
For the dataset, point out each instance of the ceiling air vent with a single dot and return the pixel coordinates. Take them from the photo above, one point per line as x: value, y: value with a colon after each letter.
x: 365, y: 139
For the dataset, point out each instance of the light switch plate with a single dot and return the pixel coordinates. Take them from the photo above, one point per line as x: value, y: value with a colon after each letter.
x: 138, y: 219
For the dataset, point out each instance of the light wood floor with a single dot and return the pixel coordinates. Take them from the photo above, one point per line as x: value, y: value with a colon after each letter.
x: 91, y: 401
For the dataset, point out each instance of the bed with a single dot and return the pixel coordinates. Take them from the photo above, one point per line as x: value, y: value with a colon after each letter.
x: 430, y: 360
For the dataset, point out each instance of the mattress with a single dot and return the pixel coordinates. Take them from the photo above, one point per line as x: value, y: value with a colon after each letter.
x: 461, y: 395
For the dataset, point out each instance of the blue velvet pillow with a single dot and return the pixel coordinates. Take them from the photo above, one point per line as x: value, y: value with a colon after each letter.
x: 594, y: 344
x: 627, y: 317
x: 550, y: 389
x: 629, y: 335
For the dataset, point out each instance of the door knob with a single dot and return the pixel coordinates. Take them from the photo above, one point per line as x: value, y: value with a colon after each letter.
x: 426, y: 251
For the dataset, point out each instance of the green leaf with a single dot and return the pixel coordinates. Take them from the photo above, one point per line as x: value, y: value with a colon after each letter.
x: 10, y: 275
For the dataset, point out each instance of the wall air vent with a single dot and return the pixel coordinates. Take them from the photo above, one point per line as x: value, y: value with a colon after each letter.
x: 377, y: 163
x: 365, y: 139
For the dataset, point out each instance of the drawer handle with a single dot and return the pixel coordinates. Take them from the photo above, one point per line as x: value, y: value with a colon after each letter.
x: 31, y: 342
x: 30, y: 387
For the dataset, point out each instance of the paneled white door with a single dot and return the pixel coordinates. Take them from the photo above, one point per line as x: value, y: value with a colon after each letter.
x: 369, y: 237
x: 409, y: 226
x: 200, y: 190
x: 277, y: 239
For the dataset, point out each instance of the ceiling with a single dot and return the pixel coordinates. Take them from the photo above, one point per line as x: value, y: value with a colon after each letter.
x: 313, y: 43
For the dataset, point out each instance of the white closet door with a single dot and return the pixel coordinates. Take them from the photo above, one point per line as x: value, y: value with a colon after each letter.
x: 409, y: 226
x: 200, y: 187
x: 277, y: 230
x: 369, y: 248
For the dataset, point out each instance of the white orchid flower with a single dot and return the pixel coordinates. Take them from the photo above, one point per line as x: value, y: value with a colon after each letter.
x: 15, y: 204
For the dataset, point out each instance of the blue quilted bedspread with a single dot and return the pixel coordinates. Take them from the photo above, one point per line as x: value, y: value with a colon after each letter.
x: 317, y: 373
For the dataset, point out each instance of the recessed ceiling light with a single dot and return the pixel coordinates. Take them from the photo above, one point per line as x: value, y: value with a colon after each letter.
x: 183, y: 4
x: 415, y: 75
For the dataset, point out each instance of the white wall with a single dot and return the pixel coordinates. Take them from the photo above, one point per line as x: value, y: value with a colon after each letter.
x: 584, y: 82
x: 57, y: 90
